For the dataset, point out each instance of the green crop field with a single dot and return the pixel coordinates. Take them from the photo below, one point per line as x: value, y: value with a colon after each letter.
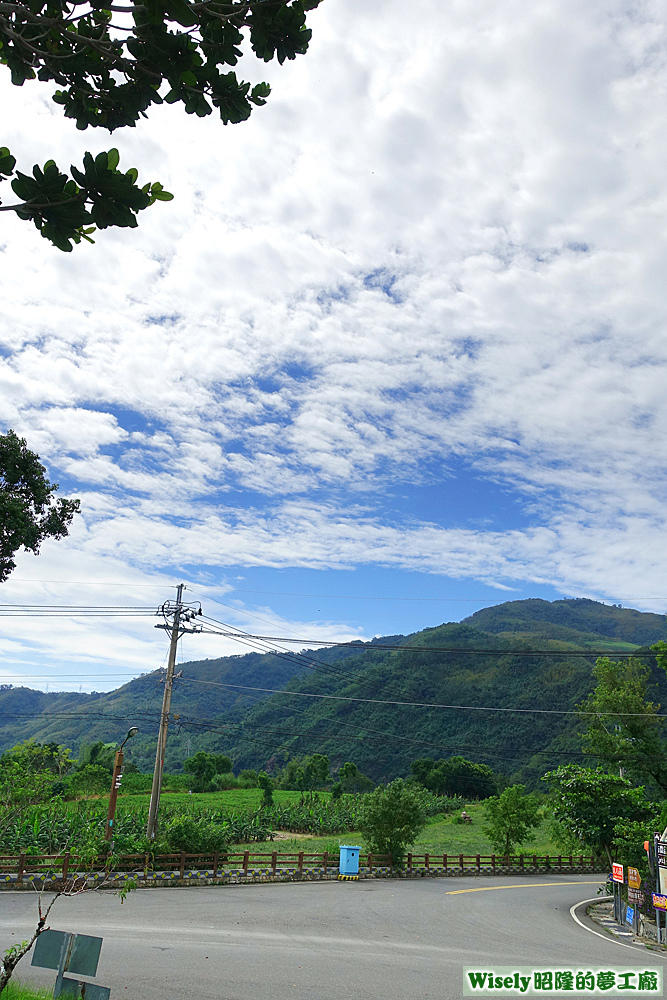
x: 231, y: 800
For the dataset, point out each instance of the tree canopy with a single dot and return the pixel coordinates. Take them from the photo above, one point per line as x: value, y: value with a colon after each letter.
x: 111, y: 64
x: 623, y: 726
x: 511, y: 818
x: 393, y: 816
x: 590, y: 804
x: 455, y: 776
x: 28, y: 511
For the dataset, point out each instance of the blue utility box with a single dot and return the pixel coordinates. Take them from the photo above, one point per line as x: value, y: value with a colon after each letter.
x: 349, y: 860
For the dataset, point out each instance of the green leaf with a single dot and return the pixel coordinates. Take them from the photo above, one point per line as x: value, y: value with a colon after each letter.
x: 180, y: 11
x: 113, y: 159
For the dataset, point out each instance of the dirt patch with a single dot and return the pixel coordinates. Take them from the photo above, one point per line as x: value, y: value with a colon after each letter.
x: 280, y: 835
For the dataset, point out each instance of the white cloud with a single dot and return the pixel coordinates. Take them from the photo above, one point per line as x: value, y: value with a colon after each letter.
x: 443, y: 240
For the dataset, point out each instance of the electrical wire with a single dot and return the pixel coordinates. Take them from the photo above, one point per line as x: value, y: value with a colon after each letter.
x: 424, y: 704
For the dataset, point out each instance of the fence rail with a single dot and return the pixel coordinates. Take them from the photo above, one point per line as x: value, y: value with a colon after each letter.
x: 221, y: 863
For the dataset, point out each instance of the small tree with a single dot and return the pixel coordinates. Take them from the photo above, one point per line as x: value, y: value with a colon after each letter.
x: 589, y: 804
x: 510, y: 818
x: 202, y: 767
x: 28, y: 512
x: 392, y: 818
x: 267, y: 786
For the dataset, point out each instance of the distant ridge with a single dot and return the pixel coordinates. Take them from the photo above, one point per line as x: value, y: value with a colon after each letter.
x: 260, y: 729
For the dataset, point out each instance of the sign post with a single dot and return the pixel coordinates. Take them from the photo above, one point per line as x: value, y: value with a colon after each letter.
x: 617, y: 878
x: 77, y: 953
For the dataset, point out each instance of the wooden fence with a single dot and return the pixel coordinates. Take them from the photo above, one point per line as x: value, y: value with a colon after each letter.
x: 218, y: 864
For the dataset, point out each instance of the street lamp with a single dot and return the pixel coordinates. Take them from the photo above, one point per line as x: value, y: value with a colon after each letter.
x: 115, y: 785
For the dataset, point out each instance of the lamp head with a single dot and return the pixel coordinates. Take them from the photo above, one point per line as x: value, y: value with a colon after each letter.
x: 133, y: 732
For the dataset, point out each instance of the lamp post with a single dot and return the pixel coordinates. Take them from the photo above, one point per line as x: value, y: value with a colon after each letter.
x: 115, y: 785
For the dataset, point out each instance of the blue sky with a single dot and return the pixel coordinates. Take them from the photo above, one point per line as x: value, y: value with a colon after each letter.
x: 401, y: 335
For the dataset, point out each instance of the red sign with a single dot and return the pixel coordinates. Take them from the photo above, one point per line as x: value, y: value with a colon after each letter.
x: 617, y: 872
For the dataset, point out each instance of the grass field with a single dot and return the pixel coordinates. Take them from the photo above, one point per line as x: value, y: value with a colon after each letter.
x: 441, y: 836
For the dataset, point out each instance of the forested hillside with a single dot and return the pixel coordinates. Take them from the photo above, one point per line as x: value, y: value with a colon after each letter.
x: 517, y: 657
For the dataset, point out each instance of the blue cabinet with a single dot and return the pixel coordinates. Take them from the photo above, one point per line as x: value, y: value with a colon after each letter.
x: 349, y: 860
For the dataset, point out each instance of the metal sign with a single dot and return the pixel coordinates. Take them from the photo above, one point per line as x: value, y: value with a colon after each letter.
x: 634, y: 878
x: 661, y: 851
x: 617, y: 872
x: 77, y: 953
x: 629, y: 915
x: 635, y: 896
x: 659, y: 901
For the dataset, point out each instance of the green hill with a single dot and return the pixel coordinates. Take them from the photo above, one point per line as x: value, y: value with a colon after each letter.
x: 468, y: 669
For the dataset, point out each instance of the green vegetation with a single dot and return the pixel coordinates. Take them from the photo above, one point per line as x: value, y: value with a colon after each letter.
x: 456, y: 776
x: 511, y: 819
x: 108, y: 75
x: 589, y: 804
x: 22, y: 991
x: 392, y: 818
x: 28, y: 511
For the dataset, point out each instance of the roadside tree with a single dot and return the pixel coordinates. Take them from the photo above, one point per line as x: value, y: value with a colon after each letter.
x: 623, y: 726
x: 29, y: 514
x: 589, y: 805
x: 392, y: 817
x: 511, y: 818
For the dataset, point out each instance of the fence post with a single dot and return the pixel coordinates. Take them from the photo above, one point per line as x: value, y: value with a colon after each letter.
x: 246, y: 857
x: 21, y: 868
x: 370, y: 864
x: 571, y: 862
x: 560, y: 861
x: 427, y: 861
x: 461, y: 862
x: 444, y: 861
x: 535, y: 865
x: 66, y: 858
x: 325, y: 861
x: 581, y: 860
x: 182, y: 864
x: 521, y: 861
x: 216, y: 857
x: 301, y: 862
x: 479, y: 861
x: 274, y: 861
x: 493, y: 861
x: 409, y: 862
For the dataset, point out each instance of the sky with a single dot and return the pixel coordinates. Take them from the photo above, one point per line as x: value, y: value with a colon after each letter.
x: 395, y: 351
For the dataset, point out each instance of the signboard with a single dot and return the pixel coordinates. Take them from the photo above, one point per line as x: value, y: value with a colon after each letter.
x: 629, y: 915
x: 78, y: 953
x: 635, y: 896
x: 661, y: 851
x: 659, y: 902
x: 634, y: 878
x: 617, y: 872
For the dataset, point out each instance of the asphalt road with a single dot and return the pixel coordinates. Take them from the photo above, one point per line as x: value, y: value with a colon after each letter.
x: 372, y: 940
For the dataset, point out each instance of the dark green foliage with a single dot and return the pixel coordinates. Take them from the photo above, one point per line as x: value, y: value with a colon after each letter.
x: 392, y: 818
x: 189, y: 833
x: 589, y: 804
x: 204, y: 767
x: 28, y: 511
x: 98, y: 753
x: 109, y: 75
x: 623, y: 726
x: 456, y: 776
x: 267, y: 786
x: 511, y: 819
x: 351, y: 779
x: 30, y: 772
x: 67, y: 210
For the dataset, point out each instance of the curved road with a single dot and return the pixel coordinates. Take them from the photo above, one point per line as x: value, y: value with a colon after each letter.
x: 381, y: 940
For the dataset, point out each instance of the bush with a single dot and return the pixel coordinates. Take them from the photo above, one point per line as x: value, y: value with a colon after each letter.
x: 221, y: 782
x: 392, y: 818
x: 194, y: 835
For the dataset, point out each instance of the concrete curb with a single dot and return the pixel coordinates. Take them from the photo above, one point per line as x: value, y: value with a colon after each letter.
x: 115, y: 880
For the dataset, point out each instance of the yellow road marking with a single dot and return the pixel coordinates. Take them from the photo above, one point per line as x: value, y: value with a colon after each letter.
x: 529, y: 885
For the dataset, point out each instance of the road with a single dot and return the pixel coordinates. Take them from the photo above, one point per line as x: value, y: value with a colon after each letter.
x: 371, y: 940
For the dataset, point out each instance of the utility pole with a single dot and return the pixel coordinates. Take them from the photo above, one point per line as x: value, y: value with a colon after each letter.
x: 115, y: 785
x: 174, y: 611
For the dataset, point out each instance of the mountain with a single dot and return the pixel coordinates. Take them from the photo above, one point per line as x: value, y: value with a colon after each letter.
x: 519, y: 657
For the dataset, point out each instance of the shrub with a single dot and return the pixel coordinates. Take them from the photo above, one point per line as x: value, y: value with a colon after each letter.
x: 392, y: 818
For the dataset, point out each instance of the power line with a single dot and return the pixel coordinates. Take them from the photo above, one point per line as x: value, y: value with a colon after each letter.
x: 423, y: 704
